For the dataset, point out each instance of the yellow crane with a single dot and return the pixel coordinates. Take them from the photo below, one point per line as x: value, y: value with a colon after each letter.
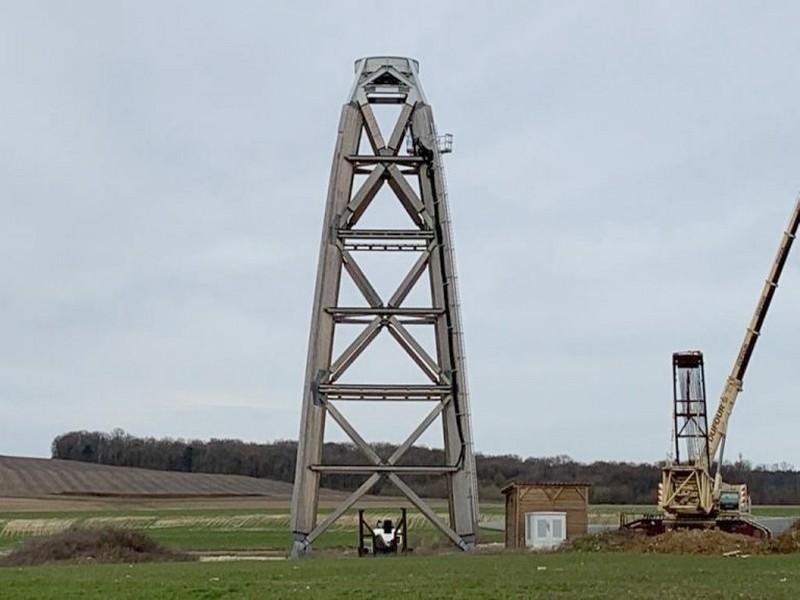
x: 689, y: 496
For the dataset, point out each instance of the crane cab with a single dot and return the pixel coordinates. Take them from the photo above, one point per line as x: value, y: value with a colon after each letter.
x: 734, y: 498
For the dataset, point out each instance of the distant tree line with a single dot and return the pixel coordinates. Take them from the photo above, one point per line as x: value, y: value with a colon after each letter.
x: 612, y: 482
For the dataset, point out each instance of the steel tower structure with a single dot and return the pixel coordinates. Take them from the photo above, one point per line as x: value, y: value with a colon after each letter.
x: 413, y: 171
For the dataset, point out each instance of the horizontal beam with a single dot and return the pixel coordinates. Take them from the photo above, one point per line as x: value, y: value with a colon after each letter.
x: 385, y: 234
x: 374, y: 99
x: 399, y: 311
x: 378, y: 391
x: 368, y: 159
x: 404, y: 321
x: 384, y: 399
x: 355, y: 469
x: 402, y: 240
x: 378, y: 247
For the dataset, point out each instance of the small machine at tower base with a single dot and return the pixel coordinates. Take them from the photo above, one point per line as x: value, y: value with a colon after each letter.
x: 386, y: 537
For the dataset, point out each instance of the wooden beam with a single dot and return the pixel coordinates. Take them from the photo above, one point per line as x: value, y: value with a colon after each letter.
x: 399, y: 128
x: 353, y: 434
x: 361, y: 281
x: 372, y: 129
x: 426, y: 510
x: 354, y: 350
x: 406, y: 194
x: 410, y: 280
x: 414, y: 350
x: 363, y: 197
x: 343, y: 507
x: 362, y: 469
x: 421, y: 428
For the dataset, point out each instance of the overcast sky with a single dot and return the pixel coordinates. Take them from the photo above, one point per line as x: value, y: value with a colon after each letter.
x: 621, y: 176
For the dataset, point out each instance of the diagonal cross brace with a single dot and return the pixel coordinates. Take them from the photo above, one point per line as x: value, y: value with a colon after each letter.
x: 399, y: 129
x: 410, y: 280
x: 414, y: 349
x: 359, y: 441
x: 373, y: 130
x: 353, y: 434
x: 426, y: 510
x: 408, y: 197
x: 356, y: 347
x: 360, y: 279
x: 343, y: 507
x: 363, y: 197
x: 404, y: 337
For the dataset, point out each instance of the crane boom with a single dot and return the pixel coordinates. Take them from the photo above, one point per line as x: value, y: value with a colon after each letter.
x: 733, y: 385
x: 688, y: 495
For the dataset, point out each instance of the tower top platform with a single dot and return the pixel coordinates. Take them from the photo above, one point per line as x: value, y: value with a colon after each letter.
x: 403, y: 64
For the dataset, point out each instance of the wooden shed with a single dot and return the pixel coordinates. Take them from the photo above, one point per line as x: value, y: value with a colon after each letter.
x: 543, y: 514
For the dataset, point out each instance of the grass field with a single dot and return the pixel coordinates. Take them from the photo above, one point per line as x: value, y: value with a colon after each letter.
x: 211, y: 529
x: 230, y: 527
x: 443, y: 576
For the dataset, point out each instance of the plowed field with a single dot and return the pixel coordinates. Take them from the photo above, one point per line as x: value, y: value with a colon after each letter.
x: 38, y: 477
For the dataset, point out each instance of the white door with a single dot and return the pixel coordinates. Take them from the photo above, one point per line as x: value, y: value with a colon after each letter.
x: 545, y: 529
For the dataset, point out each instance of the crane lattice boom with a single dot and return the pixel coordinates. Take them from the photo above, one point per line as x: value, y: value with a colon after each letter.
x: 733, y: 385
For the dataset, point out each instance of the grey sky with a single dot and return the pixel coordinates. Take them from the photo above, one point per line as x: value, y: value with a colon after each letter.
x: 621, y: 175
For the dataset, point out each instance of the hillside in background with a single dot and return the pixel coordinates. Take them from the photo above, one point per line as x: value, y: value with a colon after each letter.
x: 34, y: 477
x: 612, y: 482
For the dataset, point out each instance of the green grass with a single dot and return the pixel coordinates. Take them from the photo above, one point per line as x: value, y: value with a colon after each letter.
x: 208, y: 538
x: 207, y: 530
x: 200, y: 539
x: 444, y: 576
x: 252, y: 529
x: 609, y: 513
x: 777, y: 511
x: 511, y: 575
x: 141, y: 512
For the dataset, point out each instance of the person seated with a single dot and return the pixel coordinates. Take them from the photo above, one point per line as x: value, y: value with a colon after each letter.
x: 388, y: 526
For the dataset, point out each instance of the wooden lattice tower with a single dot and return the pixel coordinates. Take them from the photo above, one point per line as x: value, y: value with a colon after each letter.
x: 409, y: 162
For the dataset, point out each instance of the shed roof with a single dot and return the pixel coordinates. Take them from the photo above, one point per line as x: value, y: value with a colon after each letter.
x: 516, y: 484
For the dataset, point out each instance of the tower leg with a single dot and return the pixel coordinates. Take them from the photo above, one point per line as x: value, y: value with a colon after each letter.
x: 305, y: 499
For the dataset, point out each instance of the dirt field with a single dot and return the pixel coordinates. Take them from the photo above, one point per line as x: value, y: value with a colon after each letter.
x: 50, y: 485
